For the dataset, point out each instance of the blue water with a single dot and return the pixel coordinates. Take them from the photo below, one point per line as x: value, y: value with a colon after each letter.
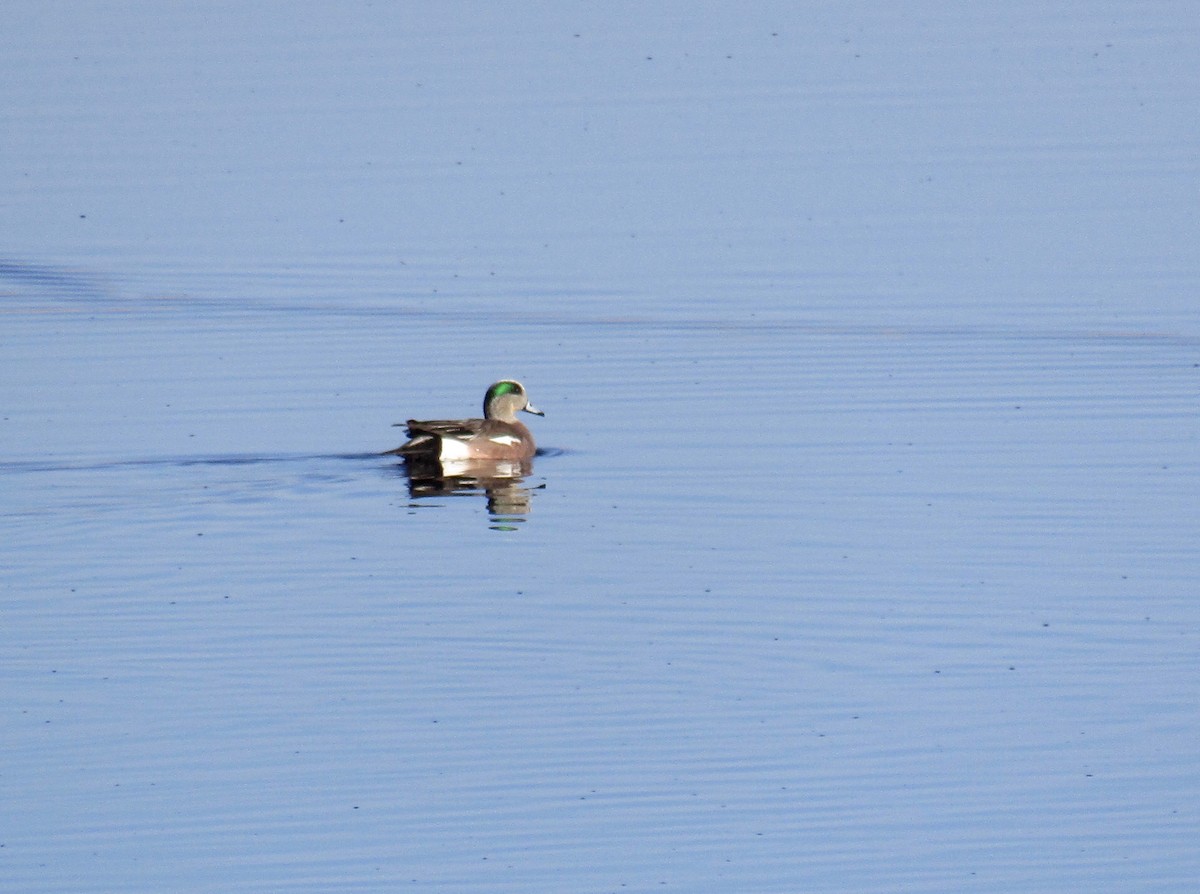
x: 860, y: 554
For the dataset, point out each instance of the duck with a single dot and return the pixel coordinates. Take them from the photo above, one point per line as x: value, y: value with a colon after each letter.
x: 498, y: 436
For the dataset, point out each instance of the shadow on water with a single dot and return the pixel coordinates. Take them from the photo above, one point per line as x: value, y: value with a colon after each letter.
x: 501, y: 483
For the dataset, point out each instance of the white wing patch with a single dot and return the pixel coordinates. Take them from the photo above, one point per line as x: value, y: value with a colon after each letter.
x: 452, y: 449
x: 506, y: 440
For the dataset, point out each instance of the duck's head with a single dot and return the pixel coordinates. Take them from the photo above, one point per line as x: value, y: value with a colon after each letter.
x: 505, y: 399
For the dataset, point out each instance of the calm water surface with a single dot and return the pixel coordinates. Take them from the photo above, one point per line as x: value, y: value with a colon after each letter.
x: 861, y: 551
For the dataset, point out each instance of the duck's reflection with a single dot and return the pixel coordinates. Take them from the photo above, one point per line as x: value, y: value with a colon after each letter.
x: 500, y: 481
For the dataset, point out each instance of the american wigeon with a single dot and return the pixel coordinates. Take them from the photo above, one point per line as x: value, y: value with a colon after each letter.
x: 497, y: 436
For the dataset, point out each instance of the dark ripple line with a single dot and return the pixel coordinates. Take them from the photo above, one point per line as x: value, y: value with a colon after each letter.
x: 66, y: 282
x: 233, y: 459
x: 236, y: 459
